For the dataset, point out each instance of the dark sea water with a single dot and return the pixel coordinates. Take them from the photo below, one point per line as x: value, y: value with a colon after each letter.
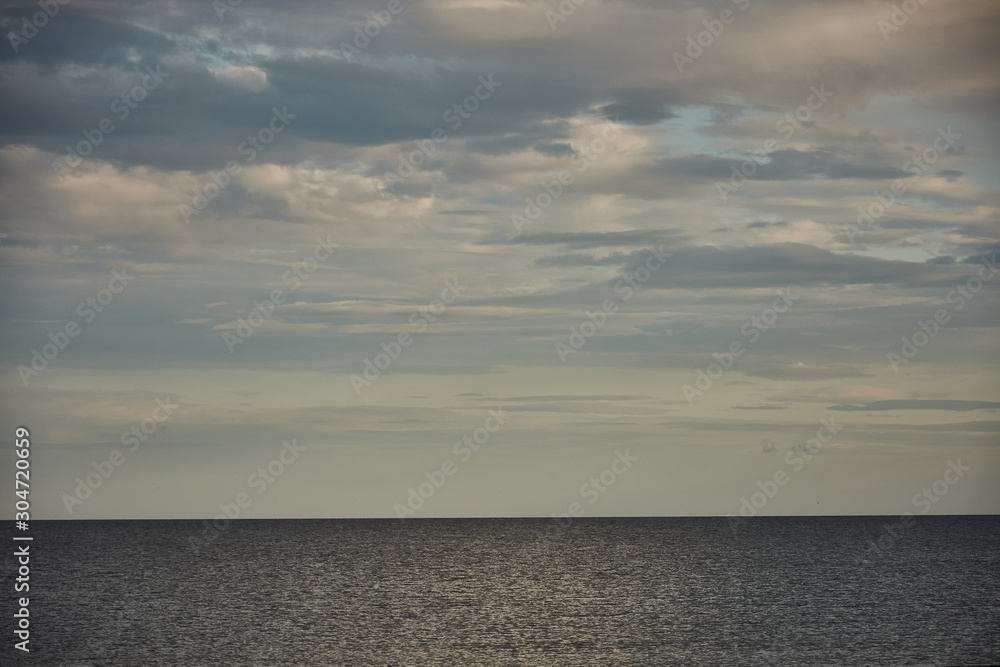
x: 779, y: 591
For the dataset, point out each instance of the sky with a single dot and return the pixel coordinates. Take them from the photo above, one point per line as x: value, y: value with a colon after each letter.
x: 432, y: 258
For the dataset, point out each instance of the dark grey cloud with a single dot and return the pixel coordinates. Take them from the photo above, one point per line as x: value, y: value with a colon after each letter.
x: 762, y: 266
x: 984, y: 426
x: 805, y: 372
x: 987, y: 255
x: 515, y: 142
x: 466, y: 212
x: 386, y: 94
x: 97, y: 35
x: 438, y: 369
x: 639, y: 109
x: 196, y: 120
x: 782, y: 165
x: 575, y: 397
x: 555, y: 148
x: 631, y: 237
x: 917, y: 404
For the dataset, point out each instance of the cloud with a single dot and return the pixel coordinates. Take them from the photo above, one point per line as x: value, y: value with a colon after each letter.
x: 772, y: 265
x: 574, y: 397
x: 861, y: 393
x: 631, y: 237
x: 916, y: 404
x: 802, y: 372
x: 760, y: 407
x: 786, y: 164
x: 357, y: 118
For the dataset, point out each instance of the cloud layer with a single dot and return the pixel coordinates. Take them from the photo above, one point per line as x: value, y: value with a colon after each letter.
x: 623, y: 228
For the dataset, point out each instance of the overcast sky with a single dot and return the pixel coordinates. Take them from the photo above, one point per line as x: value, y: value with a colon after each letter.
x: 688, y: 173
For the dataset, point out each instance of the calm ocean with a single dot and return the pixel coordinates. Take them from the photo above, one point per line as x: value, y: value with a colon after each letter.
x: 777, y: 591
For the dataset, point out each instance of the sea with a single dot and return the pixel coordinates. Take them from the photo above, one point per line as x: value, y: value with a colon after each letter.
x: 626, y: 591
